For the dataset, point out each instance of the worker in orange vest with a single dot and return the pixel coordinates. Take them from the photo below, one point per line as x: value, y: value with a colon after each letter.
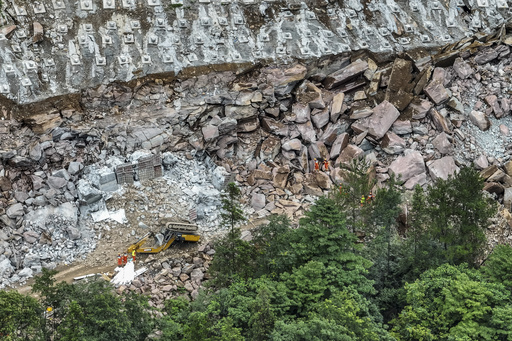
x: 119, y: 260
x: 317, y: 166
x: 326, y: 165
x: 370, y: 197
x: 125, y: 259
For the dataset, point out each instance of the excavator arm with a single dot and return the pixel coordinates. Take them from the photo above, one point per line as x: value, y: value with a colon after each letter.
x: 176, y: 232
x: 169, y: 238
x: 140, y: 242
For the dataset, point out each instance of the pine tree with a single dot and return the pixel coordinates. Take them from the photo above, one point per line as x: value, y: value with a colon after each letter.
x: 232, y: 212
x: 233, y: 257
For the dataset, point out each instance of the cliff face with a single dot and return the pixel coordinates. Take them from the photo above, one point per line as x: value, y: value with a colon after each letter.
x: 58, y: 47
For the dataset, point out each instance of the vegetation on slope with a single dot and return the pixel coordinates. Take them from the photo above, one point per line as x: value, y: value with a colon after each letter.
x: 315, y: 282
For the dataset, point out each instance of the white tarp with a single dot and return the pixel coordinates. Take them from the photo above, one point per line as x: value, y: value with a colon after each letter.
x: 125, y: 275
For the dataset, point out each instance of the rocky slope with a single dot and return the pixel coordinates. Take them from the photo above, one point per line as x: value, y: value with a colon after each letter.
x: 420, y: 116
x: 52, y: 49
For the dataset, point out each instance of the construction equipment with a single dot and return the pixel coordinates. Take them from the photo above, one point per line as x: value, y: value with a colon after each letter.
x: 174, y: 232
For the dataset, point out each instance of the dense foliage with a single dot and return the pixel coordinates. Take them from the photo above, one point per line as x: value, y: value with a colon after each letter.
x: 345, y: 273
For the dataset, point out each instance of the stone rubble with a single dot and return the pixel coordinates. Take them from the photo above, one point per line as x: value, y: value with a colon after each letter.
x: 420, y: 117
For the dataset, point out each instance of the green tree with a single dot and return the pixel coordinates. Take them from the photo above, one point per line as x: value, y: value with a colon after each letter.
x: 345, y: 316
x: 358, y: 182
x: 92, y: 310
x: 385, y: 212
x: 323, y: 237
x: 456, y: 214
x: 72, y: 327
x: 498, y: 266
x: 455, y: 303
x: 234, y: 258
x: 269, y: 240
x: 422, y: 251
x: 20, y: 317
x: 232, y: 214
x: 262, y: 317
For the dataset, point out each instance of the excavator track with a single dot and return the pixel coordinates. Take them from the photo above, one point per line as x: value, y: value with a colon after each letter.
x: 181, y: 227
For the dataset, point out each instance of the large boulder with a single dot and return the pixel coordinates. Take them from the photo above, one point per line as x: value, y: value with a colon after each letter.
x: 210, y: 133
x: 344, y: 75
x: 407, y: 166
x: 384, y: 115
x: 442, y: 168
x: 6, y: 268
x: 462, y: 68
x: 320, y: 118
x: 293, y: 144
x: 339, y: 144
x: 270, y: 148
x: 391, y: 143
x: 442, y: 144
x: 479, y: 119
x: 258, y: 201
x: 349, y: 153
x: 15, y: 211
x: 337, y: 103
x: 436, y: 91
x: 419, y: 108
x: 284, y: 80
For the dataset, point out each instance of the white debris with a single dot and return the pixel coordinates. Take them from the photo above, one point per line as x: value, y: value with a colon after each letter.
x: 119, y: 216
x: 140, y: 271
x: 100, y: 215
x: 125, y: 275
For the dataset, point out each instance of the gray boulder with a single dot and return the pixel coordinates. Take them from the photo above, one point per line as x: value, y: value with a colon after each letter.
x: 26, y: 273
x: 442, y: 144
x: 442, y: 168
x: 479, y: 119
x: 6, y: 268
x: 15, y: 211
x: 407, y: 166
x: 75, y: 167
x: 384, y: 115
x: 258, y: 201
x: 462, y: 68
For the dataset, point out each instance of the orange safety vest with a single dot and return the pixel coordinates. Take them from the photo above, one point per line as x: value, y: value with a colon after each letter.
x: 326, y: 165
x: 317, y: 166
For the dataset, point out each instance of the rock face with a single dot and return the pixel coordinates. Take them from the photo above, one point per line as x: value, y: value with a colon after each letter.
x: 200, y: 40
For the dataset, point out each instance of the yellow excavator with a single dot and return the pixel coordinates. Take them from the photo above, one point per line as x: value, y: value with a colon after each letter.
x: 174, y: 232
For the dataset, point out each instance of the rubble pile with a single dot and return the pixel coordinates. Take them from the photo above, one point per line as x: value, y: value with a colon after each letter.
x: 172, y: 276
x: 119, y: 214
x: 421, y: 116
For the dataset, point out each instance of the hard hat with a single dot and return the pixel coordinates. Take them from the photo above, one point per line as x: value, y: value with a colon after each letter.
x: 315, y: 158
x: 49, y: 309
